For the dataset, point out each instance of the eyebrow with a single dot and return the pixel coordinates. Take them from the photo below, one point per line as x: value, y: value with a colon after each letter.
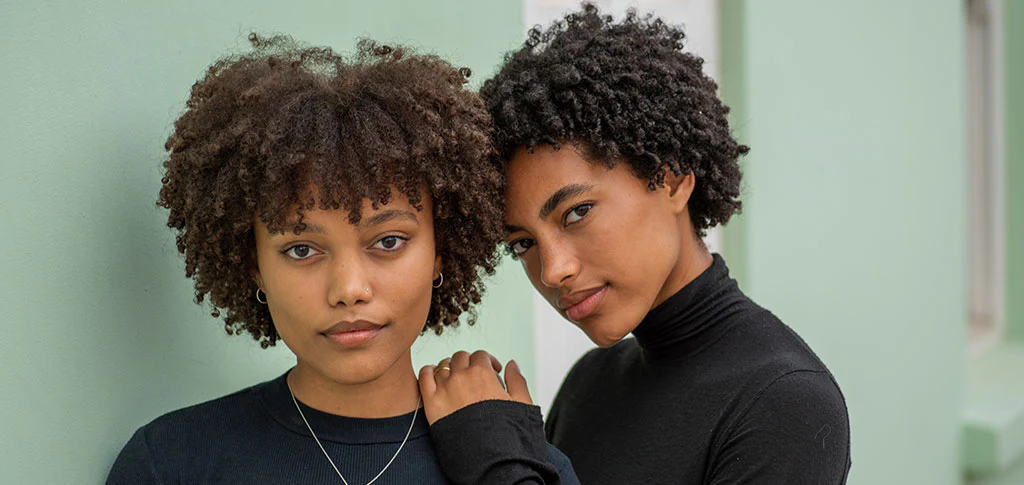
x: 511, y: 229
x: 386, y: 216
x: 307, y: 227
x: 561, y: 195
x: 376, y: 219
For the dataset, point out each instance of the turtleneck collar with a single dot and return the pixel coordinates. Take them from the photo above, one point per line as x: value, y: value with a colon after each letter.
x: 694, y: 317
x: 331, y: 427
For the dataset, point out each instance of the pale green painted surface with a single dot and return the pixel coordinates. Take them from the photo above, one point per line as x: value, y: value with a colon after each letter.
x: 1013, y: 33
x: 993, y: 445
x: 855, y: 220
x: 1012, y: 476
x: 99, y: 332
x: 994, y: 414
x: 733, y: 89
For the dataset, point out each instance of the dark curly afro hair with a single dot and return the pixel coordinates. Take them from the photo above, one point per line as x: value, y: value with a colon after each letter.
x: 620, y: 91
x: 287, y: 128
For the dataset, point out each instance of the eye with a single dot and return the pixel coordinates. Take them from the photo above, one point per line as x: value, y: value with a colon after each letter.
x: 577, y: 213
x: 390, y: 243
x: 520, y: 246
x: 300, y: 252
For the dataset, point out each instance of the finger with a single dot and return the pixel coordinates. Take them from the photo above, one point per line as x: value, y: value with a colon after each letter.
x: 516, y: 383
x: 443, y: 369
x: 484, y: 359
x: 427, y: 385
x: 428, y: 391
x: 460, y: 360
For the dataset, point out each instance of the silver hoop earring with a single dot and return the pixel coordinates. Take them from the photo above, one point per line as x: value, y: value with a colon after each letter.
x: 264, y: 300
x: 440, y: 280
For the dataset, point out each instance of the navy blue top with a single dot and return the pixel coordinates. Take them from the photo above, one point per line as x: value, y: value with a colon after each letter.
x: 256, y: 436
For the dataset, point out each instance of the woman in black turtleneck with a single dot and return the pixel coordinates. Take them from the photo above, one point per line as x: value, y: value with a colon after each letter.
x: 618, y: 157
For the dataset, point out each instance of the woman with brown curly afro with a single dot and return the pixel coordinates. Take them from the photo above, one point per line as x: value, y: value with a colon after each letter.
x: 618, y: 157
x: 344, y: 207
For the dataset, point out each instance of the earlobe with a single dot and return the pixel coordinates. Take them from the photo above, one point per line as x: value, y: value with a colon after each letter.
x: 438, y: 279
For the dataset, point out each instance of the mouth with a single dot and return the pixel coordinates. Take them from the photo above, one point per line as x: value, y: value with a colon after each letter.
x: 581, y: 304
x: 353, y: 333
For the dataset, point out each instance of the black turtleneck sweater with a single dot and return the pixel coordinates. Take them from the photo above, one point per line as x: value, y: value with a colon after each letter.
x: 255, y: 436
x: 713, y: 390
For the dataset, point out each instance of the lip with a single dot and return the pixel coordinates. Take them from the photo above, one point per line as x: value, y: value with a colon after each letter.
x: 576, y: 297
x: 581, y: 304
x: 353, y: 333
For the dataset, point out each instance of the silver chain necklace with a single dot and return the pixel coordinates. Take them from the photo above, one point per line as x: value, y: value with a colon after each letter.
x: 329, y: 460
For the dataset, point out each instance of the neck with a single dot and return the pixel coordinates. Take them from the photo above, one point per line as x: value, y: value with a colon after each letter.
x: 393, y: 393
x: 694, y: 317
x: 694, y: 259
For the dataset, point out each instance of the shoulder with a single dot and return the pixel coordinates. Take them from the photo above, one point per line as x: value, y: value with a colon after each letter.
x: 760, y: 343
x: 801, y: 409
x: 158, y: 447
x: 220, y: 413
x: 799, y: 419
x: 777, y: 365
x: 811, y: 390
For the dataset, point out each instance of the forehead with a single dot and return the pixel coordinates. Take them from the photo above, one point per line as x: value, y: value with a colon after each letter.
x: 533, y: 177
x: 541, y: 182
x: 321, y: 214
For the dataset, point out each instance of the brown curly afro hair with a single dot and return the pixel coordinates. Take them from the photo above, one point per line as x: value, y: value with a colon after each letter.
x: 286, y: 128
x: 620, y: 91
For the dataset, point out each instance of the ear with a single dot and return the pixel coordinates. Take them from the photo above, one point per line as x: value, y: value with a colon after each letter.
x: 257, y: 277
x: 437, y: 266
x: 679, y: 188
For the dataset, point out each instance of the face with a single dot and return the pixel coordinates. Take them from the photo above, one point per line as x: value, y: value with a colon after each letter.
x: 350, y: 300
x: 600, y: 246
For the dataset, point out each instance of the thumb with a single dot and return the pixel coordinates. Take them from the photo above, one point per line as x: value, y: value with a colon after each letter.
x: 516, y: 383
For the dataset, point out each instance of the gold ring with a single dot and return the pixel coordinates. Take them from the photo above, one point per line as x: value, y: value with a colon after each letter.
x: 449, y: 369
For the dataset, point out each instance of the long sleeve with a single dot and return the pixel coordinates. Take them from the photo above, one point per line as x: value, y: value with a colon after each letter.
x: 796, y: 431
x: 499, y: 443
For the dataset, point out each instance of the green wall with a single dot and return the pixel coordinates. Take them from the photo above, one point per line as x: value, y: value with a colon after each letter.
x: 854, y: 229
x: 99, y: 332
x: 1012, y: 476
x: 1013, y: 58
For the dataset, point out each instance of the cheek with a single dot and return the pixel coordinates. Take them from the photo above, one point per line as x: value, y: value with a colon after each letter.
x: 292, y: 301
x: 531, y: 265
x: 409, y: 288
x: 618, y: 243
x: 412, y: 294
x: 638, y: 249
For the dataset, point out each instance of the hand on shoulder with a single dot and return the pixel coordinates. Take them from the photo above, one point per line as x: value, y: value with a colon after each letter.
x: 465, y: 379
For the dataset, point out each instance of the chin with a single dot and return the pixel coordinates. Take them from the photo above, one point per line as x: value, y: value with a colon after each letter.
x: 353, y: 379
x: 352, y: 373
x: 603, y: 335
x: 605, y: 339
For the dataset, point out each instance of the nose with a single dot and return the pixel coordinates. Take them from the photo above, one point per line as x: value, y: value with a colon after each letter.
x: 348, y: 283
x: 558, y: 263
